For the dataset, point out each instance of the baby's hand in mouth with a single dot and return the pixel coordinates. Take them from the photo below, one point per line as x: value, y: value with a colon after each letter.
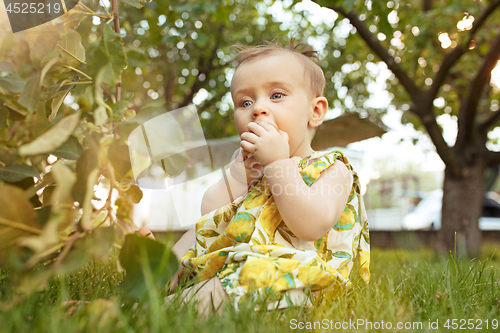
x: 247, y: 157
x: 251, y: 154
x: 276, y: 127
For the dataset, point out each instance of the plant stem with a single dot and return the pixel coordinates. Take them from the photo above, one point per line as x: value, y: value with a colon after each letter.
x: 114, y: 4
x: 78, y: 71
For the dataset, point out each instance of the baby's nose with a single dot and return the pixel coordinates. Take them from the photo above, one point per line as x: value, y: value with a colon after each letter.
x: 259, y: 113
x: 259, y: 110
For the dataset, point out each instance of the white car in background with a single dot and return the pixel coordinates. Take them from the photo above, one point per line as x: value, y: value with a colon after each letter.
x: 427, y: 213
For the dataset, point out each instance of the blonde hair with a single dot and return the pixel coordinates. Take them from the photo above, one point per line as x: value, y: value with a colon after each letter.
x: 316, y: 76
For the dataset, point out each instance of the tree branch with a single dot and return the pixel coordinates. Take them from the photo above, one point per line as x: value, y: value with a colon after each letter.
x: 428, y: 5
x: 492, y: 120
x: 492, y: 157
x: 444, y: 151
x: 468, y: 109
x: 422, y: 101
x: 410, y: 87
x: 452, y: 57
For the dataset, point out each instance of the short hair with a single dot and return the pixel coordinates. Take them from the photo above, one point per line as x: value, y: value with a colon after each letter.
x: 316, y: 75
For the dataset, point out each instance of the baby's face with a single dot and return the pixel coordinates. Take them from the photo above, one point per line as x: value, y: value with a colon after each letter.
x: 273, y: 89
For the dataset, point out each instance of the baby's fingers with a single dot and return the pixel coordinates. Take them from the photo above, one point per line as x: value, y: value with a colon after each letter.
x: 249, y: 147
x: 249, y: 136
x: 145, y: 232
x: 284, y: 135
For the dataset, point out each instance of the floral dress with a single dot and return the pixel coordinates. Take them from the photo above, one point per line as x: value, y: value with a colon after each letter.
x: 247, y: 245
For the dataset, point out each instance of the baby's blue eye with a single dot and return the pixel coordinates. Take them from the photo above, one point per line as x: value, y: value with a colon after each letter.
x: 276, y: 96
x: 246, y: 104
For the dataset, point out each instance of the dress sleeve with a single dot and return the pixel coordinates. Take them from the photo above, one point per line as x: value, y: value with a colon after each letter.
x: 313, y: 171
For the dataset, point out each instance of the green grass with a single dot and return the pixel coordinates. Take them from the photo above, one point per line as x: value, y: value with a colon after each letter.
x: 406, y: 286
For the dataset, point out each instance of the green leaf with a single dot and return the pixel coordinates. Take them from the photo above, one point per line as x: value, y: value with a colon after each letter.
x: 87, y: 162
x: 42, y: 42
x: 17, y: 218
x: 17, y: 172
x: 46, y: 68
x: 56, y: 104
x: 157, y: 259
x: 58, y: 87
x: 89, y: 95
x: 72, y: 49
x: 39, y: 119
x: 86, y: 222
x: 31, y: 94
x: 119, y: 109
x: 175, y: 164
x: 119, y: 157
x: 65, y: 178
x: 135, y: 192
x: 100, y: 116
x: 110, y: 56
x: 135, y: 3
x: 70, y: 150
x: 12, y: 83
x: 53, y: 138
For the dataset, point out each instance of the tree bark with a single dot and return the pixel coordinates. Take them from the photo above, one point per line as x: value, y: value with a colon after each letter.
x: 463, y: 195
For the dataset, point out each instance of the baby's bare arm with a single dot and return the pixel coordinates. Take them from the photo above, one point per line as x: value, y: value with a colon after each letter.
x: 309, y: 212
x: 179, y: 249
x: 242, y: 172
x: 217, y: 195
x: 184, y: 243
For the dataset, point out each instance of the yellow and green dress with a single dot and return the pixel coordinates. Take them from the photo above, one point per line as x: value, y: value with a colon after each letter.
x: 247, y: 245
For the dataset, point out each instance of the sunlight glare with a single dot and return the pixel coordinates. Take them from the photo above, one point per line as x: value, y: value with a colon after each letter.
x: 445, y: 40
x: 495, y: 76
x: 465, y: 23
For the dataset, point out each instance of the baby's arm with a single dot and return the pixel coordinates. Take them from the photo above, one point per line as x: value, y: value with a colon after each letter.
x: 217, y: 195
x: 309, y: 212
x: 239, y: 176
x: 179, y: 249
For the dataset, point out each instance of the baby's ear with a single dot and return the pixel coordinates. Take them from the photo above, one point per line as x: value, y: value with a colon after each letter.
x: 319, y: 109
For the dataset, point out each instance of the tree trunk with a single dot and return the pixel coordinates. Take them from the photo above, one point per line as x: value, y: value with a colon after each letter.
x: 463, y: 195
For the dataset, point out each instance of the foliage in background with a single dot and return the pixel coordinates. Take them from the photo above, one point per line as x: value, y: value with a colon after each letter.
x: 441, y: 55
